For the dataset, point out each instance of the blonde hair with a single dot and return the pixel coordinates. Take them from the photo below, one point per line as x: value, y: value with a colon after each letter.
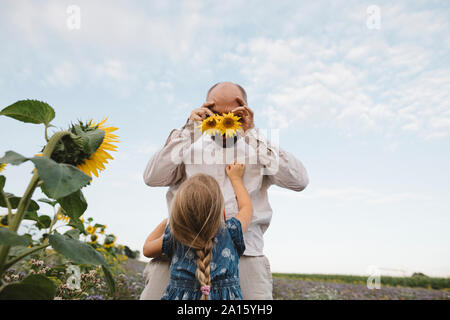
x: 195, y: 218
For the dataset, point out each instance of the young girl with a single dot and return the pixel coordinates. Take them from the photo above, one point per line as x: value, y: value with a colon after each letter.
x: 204, y: 248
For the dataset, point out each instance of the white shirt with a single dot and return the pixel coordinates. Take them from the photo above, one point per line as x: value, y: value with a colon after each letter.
x: 187, y: 152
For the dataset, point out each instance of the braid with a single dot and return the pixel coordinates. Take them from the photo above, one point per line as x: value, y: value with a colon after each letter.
x: 203, y: 265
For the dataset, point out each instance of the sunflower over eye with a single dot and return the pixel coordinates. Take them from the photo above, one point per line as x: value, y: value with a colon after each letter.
x: 225, y: 124
x: 229, y: 124
x: 209, y: 125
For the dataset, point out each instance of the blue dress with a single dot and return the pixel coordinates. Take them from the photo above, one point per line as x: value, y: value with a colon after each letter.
x: 225, y: 284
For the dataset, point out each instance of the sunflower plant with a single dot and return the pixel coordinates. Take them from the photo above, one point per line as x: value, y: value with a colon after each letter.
x: 226, y: 124
x: 65, y: 165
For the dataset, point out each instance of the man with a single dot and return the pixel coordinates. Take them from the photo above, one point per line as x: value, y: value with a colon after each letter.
x: 186, y: 152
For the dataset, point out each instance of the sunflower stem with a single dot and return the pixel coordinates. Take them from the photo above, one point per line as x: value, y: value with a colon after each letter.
x: 8, y: 205
x: 46, y: 135
x: 25, y: 200
x: 11, y: 262
x: 50, y: 228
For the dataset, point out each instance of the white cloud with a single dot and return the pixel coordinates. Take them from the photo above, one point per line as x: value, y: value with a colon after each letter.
x: 375, y: 85
x: 64, y: 74
x: 112, y: 69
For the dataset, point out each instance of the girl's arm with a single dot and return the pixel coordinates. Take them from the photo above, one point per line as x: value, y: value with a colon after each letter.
x: 153, y: 244
x: 235, y: 172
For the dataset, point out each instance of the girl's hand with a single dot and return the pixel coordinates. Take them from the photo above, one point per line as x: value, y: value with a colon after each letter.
x: 235, y: 170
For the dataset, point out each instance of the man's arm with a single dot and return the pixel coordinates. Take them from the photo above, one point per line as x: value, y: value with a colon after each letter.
x: 166, y: 166
x: 281, y: 167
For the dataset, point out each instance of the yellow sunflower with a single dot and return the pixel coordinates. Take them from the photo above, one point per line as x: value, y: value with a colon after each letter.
x: 229, y: 124
x: 91, y: 230
x: 109, y: 242
x: 2, y: 166
x: 97, y: 160
x: 62, y: 217
x: 209, y: 125
x: 94, y: 239
x: 4, y: 221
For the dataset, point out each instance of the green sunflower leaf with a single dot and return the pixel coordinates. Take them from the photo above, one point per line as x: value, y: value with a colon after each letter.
x: 31, y: 215
x: 89, y: 141
x: 11, y: 238
x: 14, y: 201
x: 77, y: 251
x: 33, y: 287
x: 74, y: 204
x: 43, y: 222
x: 48, y: 201
x: 109, y: 279
x: 76, y: 223
x: 13, y: 158
x: 74, y: 234
x: 60, y: 179
x: 30, y: 111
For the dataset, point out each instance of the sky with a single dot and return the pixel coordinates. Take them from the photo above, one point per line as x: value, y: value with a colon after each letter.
x: 359, y: 92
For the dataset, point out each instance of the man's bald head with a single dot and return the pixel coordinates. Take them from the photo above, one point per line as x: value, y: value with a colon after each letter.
x: 224, y: 95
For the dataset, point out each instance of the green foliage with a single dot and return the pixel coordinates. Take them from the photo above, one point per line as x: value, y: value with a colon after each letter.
x: 34, y: 287
x: 2, y: 182
x: 57, y: 175
x: 109, y: 280
x: 88, y: 139
x: 76, y: 223
x: 30, y: 111
x: 31, y: 215
x: 14, y: 202
x: 48, y: 201
x: 74, y: 234
x: 43, y: 222
x: 11, y: 238
x: 74, y: 205
x: 13, y: 158
x: 74, y: 149
x: 81, y: 253
x: 77, y: 251
x: 60, y: 180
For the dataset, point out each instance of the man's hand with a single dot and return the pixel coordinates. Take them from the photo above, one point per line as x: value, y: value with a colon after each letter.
x: 199, y: 114
x: 245, y: 113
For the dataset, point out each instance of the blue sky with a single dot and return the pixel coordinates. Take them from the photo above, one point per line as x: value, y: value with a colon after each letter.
x: 366, y: 110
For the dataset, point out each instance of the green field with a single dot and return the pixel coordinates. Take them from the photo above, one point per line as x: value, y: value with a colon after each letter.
x: 412, y: 282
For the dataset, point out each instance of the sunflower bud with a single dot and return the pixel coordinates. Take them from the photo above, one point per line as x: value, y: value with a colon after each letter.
x: 85, y: 147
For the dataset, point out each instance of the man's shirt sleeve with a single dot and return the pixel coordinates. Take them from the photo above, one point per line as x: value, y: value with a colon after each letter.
x: 281, y: 167
x: 165, y: 167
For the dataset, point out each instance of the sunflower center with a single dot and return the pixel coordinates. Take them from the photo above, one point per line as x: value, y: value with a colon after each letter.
x: 228, y: 123
x: 211, y: 123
